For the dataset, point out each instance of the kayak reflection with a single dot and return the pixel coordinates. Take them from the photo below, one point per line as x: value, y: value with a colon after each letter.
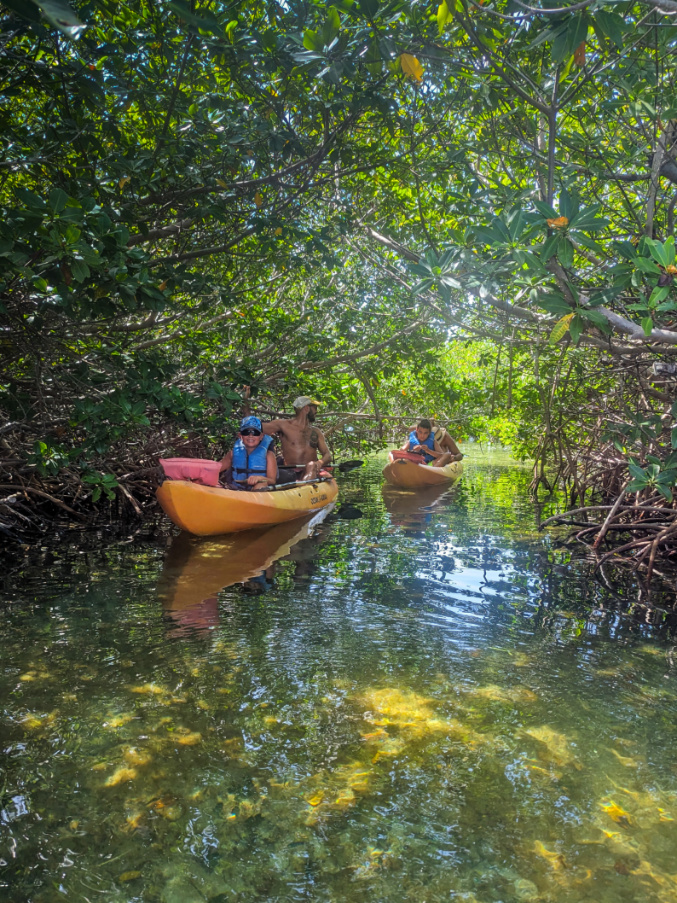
x: 196, y: 568
x: 412, y: 509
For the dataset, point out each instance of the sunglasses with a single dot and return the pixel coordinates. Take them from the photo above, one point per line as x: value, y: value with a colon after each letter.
x: 250, y: 432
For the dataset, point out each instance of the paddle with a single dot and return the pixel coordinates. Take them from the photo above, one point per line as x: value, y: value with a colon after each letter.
x: 346, y: 466
x: 343, y: 467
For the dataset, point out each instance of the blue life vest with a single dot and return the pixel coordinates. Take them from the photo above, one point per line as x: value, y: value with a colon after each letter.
x: 429, y: 442
x: 246, y: 464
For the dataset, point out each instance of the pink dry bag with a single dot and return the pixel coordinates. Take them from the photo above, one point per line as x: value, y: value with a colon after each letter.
x: 199, y: 470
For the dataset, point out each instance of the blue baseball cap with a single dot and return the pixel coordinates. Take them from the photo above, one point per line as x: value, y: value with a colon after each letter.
x: 251, y: 423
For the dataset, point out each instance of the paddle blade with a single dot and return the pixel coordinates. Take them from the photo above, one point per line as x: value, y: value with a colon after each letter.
x: 345, y: 466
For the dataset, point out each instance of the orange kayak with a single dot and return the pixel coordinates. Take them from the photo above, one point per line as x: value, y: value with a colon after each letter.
x: 210, y: 510
x: 409, y: 475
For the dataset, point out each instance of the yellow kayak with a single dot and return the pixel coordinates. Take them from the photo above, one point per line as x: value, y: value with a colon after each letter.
x: 409, y: 475
x: 210, y: 510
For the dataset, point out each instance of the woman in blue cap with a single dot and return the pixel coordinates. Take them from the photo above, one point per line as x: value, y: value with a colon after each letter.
x: 251, y: 463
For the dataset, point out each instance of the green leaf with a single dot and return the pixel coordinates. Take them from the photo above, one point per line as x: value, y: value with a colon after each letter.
x: 611, y: 25
x: 597, y: 318
x: 664, y: 490
x: 204, y: 21
x: 660, y: 293
x: 332, y: 24
x: 577, y: 32
x: 72, y: 234
x: 659, y: 252
x: 373, y: 59
x: 565, y: 252
x: 368, y: 7
x: 591, y: 244
x: 554, y: 304
x: 549, y: 247
x: 647, y: 266
x: 312, y: 40
x: 30, y: 199
x: 576, y: 327
x: 443, y: 16
x: 80, y: 270
x: 57, y: 200
x: 546, y: 210
x: 636, y: 471
x: 569, y: 204
x: 647, y: 326
x: 637, y: 485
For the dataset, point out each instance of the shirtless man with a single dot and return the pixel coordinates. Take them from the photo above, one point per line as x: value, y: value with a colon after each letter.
x: 301, y: 442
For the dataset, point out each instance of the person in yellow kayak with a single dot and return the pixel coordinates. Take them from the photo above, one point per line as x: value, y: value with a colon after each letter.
x: 301, y: 442
x: 422, y: 442
x: 251, y: 462
x: 444, y: 440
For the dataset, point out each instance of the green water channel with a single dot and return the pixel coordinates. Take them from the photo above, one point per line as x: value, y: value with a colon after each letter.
x: 420, y: 704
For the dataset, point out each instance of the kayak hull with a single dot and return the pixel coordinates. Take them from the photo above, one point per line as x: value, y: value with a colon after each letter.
x: 408, y: 475
x: 211, y: 511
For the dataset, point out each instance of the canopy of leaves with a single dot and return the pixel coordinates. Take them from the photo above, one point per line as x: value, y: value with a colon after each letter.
x: 309, y: 195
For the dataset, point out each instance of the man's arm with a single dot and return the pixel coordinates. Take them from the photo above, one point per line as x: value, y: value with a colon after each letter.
x: 272, y: 427
x: 271, y: 467
x: 322, y: 447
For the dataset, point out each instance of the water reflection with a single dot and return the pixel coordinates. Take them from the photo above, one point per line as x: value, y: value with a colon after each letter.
x: 413, y: 510
x: 196, y: 568
x: 446, y: 709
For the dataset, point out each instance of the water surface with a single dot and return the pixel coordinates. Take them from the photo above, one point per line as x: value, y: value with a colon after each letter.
x: 431, y: 702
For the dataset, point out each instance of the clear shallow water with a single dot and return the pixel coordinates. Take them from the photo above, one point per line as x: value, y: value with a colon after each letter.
x: 421, y: 704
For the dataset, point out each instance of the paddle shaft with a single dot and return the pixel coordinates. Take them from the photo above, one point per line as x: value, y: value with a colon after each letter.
x: 280, y: 486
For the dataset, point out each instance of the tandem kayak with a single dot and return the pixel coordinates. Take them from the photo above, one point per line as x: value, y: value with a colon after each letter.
x: 408, y: 475
x: 210, y: 510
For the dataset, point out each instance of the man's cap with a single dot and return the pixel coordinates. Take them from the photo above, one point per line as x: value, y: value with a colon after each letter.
x: 251, y: 423
x: 303, y: 400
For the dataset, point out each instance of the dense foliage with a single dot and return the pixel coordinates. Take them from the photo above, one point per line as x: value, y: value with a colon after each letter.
x: 359, y: 198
